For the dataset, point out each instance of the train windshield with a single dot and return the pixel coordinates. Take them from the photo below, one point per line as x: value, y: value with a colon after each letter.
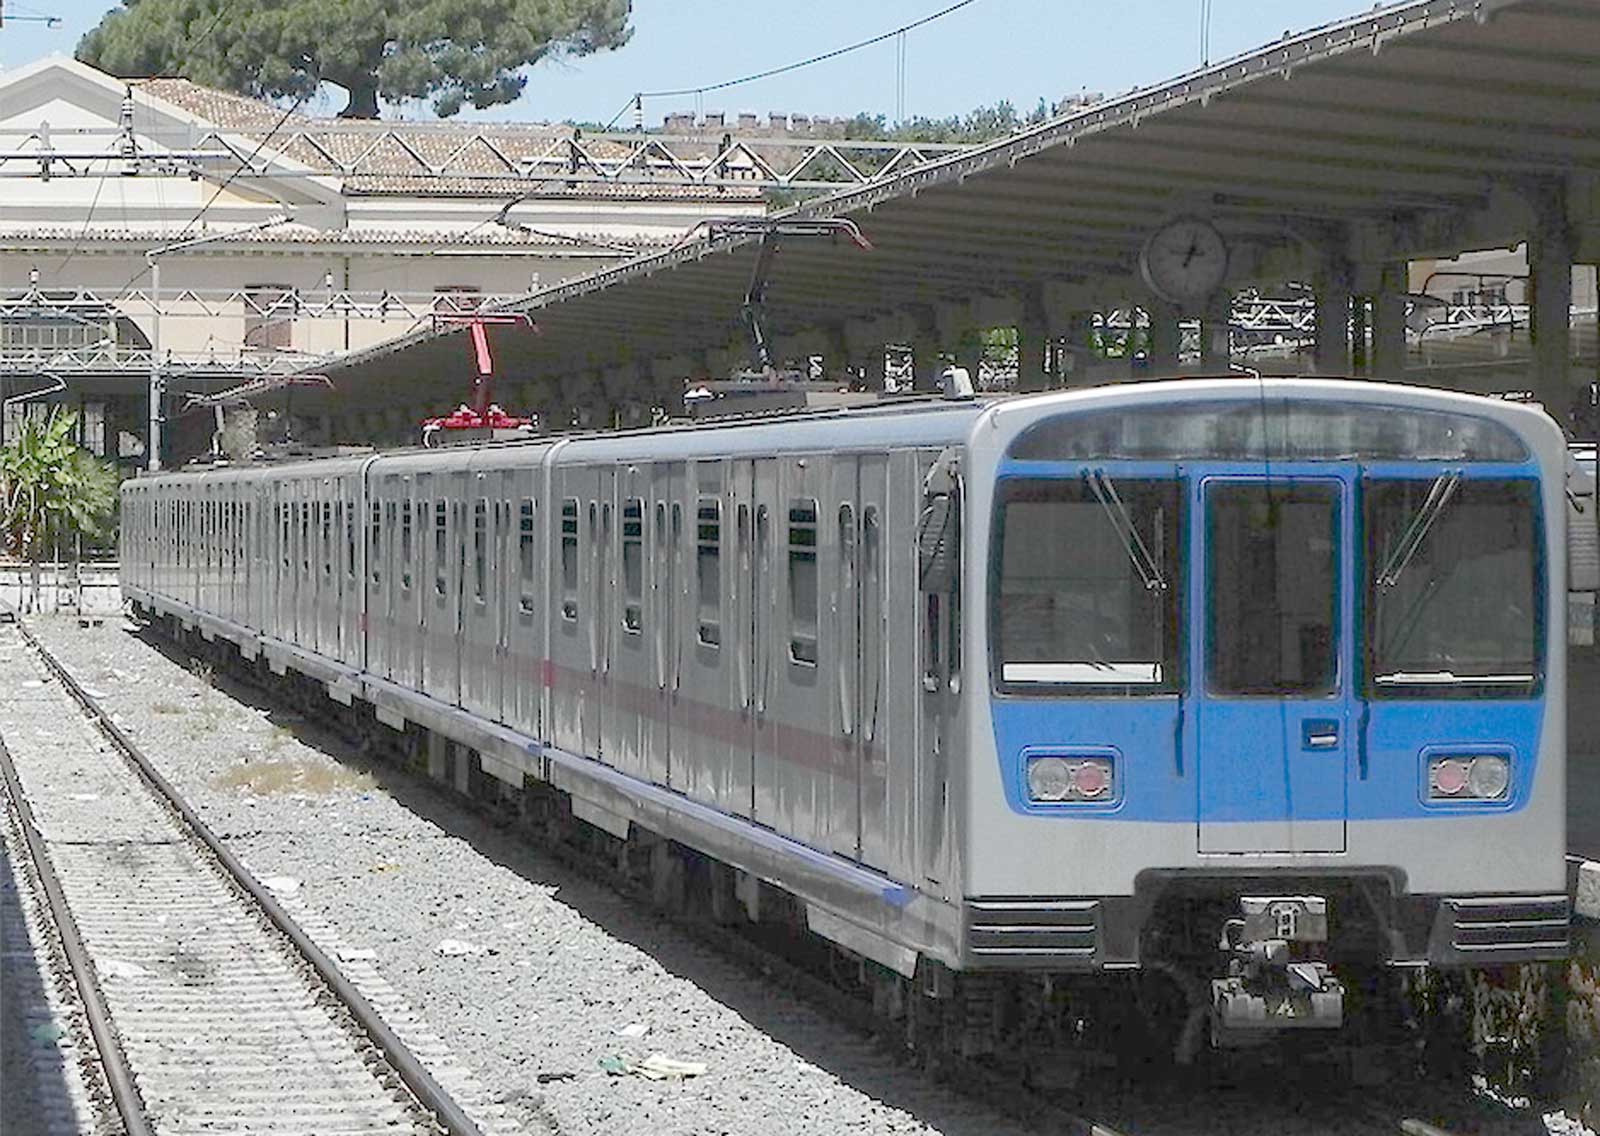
x: 1453, y: 578
x: 1086, y: 591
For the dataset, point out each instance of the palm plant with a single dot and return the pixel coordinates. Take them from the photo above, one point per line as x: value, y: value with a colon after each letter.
x: 53, y: 493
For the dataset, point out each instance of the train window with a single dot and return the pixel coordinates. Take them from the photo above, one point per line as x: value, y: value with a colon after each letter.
x: 305, y: 538
x: 1453, y: 580
x: 1273, y: 588
x: 350, y: 542
x: 525, y: 562
x: 708, y: 569
x: 480, y: 548
x: 283, y: 521
x: 633, y: 565
x: 374, y: 527
x: 327, y: 539
x: 405, y: 545
x: 1085, y: 595
x: 569, y: 558
x: 440, y: 511
x: 803, y: 581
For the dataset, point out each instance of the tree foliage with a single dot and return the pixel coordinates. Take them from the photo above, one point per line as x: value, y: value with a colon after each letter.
x: 454, y: 53
x: 979, y: 125
x: 52, y: 491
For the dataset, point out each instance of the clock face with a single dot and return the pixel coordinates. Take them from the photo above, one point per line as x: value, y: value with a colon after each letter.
x: 1185, y: 261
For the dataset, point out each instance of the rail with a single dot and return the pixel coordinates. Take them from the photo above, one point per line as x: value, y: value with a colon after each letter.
x: 422, y: 1084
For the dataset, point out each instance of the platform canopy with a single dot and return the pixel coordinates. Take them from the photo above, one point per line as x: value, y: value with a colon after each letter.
x: 1418, y: 129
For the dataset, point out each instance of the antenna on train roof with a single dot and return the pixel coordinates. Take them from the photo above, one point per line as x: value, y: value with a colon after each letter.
x: 771, y: 230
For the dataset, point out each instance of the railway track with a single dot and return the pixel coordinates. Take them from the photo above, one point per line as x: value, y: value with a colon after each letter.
x: 210, y: 1008
x: 1353, y: 1111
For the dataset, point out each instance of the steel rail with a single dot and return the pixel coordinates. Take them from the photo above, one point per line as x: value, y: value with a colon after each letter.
x: 422, y: 1084
x: 119, y: 1075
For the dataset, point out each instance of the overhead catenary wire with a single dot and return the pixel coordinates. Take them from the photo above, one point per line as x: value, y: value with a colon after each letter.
x: 639, y: 96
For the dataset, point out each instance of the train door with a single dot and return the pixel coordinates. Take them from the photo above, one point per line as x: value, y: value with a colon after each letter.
x: 939, y: 647
x: 628, y: 686
x: 702, y: 753
x: 871, y: 736
x: 525, y: 604
x: 758, y: 780
x: 572, y: 659
x: 842, y: 675
x: 480, y: 666
x: 663, y: 607
x: 599, y: 588
x: 1270, y: 621
x: 795, y: 753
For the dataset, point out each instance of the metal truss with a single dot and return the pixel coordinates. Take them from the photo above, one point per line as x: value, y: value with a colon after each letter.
x: 256, y: 303
x: 108, y: 358
x: 486, y: 157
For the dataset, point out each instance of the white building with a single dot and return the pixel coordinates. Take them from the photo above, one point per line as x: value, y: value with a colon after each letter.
x: 389, y: 224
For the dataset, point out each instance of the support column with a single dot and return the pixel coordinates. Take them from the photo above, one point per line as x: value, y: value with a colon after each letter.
x: 1389, y: 322
x: 969, y: 355
x: 924, y: 350
x: 1331, y: 350
x: 1216, y: 337
x: 1077, y: 350
x: 1166, y: 337
x: 1550, y: 304
x: 1032, y: 331
x: 873, y: 368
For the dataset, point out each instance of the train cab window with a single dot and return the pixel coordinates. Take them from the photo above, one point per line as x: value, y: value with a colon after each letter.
x: 480, y: 549
x: 1272, y: 553
x: 440, y: 568
x: 374, y: 529
x: 708, y: 570
x: 803, y: 581
x: 633, y: 565
x: 1453, y: 579
x: 569, y: 558
x: 525, y: 552
x: 405, y: 545
x: 1085, y: 594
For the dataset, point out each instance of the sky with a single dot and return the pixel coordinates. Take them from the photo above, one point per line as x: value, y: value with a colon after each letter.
x: 1020, y: 50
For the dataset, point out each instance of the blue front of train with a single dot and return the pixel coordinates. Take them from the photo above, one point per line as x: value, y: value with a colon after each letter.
x: 1274, y: 686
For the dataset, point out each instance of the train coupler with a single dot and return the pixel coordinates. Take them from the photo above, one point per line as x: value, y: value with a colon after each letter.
x: 1275, y: 981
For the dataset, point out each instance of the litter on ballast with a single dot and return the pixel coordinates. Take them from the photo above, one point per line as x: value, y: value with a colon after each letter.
x: 459, y: 948
x: 555, y: 1075
x: 633, y: 1029
x: 356, y: 954
x: 656, y: 1067
x: 283, y: 885
x: 117, y: 968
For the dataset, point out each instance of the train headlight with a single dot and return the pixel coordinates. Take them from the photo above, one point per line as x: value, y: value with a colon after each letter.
x: 1485, y: 777
x: 1490, y: 777
x: 1052, y: 779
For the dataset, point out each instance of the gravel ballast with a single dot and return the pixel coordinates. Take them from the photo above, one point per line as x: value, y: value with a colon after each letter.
x: 530, y: 972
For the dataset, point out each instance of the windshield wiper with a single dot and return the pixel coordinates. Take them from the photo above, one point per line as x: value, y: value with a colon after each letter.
x: 1439, y: 495
x: 1117, y: 513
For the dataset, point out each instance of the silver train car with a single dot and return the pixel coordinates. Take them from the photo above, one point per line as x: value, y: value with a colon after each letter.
x: 1242, y: 685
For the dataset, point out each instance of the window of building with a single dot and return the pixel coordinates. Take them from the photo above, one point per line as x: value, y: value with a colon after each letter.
x: 708, y: 569
x: 803, y: 581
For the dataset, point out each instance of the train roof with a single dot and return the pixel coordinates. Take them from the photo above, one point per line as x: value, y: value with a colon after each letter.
x: 932, y: 421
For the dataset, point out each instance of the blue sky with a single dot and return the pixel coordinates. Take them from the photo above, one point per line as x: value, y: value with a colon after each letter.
x: 991, y: 50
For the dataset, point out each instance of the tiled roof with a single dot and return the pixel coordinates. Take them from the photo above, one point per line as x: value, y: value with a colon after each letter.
x: 456, y: 159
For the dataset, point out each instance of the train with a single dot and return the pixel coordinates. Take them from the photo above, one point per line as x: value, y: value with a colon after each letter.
x: 1239, y: 689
